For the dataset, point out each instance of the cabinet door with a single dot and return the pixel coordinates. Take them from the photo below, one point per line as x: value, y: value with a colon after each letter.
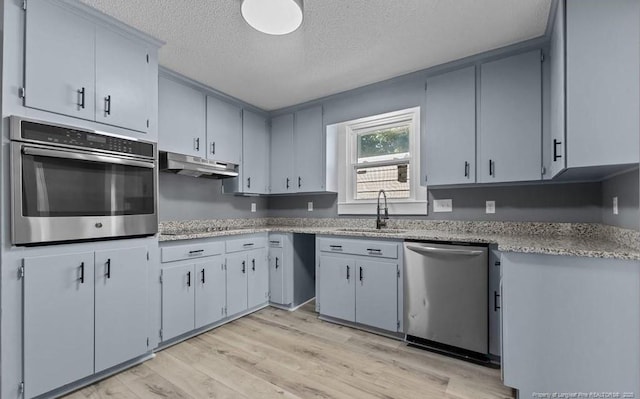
x: 58, y: 321
x: 121, y: 300
x: 510, y: 130
x: 258, y: 278
x: 450, y: 146
x: 211, y: 291
x: 123, y: 95
x: 178, y: 296
x: 224, y: 131
x: 236, y: 284
x: 336, y: 287
x: 282, y: 154
x: 59, y: 61
x: 603, y: 59
x: 181, y: 118
x: 309, y: 150
x: 255, y: 150
x: 557, y: 144
x: 377, y: 294
x: 276, y: 276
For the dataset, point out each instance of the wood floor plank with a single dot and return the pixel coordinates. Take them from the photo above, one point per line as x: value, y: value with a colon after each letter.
x: 275, y: 353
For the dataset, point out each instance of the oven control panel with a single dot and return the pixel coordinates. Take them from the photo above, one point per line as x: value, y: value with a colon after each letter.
x: 63, y: 136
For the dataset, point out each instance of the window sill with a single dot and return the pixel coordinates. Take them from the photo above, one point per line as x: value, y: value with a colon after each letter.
x: 395, y: 208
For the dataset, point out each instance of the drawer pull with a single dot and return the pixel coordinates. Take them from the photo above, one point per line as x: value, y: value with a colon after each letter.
x: 274, y: 242
x: 196, y: 252
x: 375, y: 250
x: 335, y: 247
x: 249, y: 244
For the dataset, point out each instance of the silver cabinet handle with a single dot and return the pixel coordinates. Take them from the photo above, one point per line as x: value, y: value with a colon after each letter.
x: 435, y: 250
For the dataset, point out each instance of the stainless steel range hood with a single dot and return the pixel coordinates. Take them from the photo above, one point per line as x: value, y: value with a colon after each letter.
x: 196, y: 167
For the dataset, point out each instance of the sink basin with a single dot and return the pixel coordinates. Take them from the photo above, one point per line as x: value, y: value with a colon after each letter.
x: 358, y: 230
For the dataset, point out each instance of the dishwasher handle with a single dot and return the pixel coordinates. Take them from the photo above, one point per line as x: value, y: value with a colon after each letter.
x: 427, y: 250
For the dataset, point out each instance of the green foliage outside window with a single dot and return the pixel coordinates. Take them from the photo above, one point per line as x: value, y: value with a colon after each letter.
x: 384, y: 142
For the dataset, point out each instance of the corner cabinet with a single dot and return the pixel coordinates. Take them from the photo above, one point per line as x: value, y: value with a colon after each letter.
x: 77, y: 66
x: 596, y: 82
x: 74, y: 308
x: 298, y: 161
x: 359, y: 281
x: 510, y: 119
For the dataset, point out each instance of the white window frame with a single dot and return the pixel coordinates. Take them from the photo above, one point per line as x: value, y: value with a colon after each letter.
x: 416, y: 204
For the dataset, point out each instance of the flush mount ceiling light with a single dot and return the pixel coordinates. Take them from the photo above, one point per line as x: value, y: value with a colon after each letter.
x: 274, y: 17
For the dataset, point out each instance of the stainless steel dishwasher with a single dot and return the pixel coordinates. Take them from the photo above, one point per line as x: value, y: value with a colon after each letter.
x: 446, y: 298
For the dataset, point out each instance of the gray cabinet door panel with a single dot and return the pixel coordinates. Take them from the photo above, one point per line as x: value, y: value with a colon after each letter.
x: 557, y: 145
x: 236, y: 283
x: 58, y: 321
x: 377, y: 294
x: 178, y: 296
x: 309, y: 150
x: 276, y: 275
x: 336, y: 287
x: 510, y: 126
x: 282, y: 155
x: 255, y: 149
x: 211, y: 291
x: 603, y: 58
x: 181, y: 118
x: 59, y: 60
x: 224, y: 131
x: 450, y: 146
x: 258, y: 277
x: 121, y: 299
x: 123, y: 95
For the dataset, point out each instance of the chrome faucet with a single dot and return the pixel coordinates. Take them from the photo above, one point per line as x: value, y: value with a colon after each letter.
x: 381, y: 221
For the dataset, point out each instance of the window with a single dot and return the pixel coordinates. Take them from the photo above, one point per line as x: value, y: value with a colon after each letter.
x: 380, y: 153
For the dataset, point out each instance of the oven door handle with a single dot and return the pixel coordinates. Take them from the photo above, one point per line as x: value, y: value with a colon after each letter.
x: 86, y: 156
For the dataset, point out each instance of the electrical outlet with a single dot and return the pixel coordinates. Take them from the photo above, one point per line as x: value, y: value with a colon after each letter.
x: 310, y: 206
x: 615, y: 205
x: 253, y: 207
x: 491, y: 207
x: 444, y: 205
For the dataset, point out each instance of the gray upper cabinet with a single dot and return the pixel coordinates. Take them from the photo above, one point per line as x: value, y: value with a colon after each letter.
x: 59, y: 61
x: 224, y: 131
x: 254, y: 170
x: 377, y: 294
x: 557, y: 154
x: 282, y: 155
x: 121, y: 297
x: 603, y: 59
x: 178, y: 296
x: 122, y: 86
x: 510, y: 119
x: 76, y: 66
x: 181, y: 118
x: 449, y: 151
x: 58, y: 321
x: 309, y: 150
x: 336, y: 287
x: 211, y: 291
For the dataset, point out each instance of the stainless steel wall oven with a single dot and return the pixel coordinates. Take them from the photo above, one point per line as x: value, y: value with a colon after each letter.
x: 76, y: 184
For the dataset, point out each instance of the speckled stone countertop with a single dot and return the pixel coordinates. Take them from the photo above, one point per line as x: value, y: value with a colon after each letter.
x: 576, y: 239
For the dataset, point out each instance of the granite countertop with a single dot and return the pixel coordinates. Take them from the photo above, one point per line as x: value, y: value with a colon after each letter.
x: 588, y: 240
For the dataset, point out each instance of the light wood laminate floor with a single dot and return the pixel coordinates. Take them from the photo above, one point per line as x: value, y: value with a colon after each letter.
x: 278, y: 354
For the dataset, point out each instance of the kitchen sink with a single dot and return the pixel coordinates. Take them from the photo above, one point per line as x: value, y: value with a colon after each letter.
x: 358, y: 230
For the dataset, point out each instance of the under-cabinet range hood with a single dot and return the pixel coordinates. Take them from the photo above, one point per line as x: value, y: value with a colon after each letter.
x: 196, y: 167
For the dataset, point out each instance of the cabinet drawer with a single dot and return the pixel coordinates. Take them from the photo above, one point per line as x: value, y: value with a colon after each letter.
x: 246, y: 243
x: 379, y: 249
x: 276, y: 241
x: 181, y: 252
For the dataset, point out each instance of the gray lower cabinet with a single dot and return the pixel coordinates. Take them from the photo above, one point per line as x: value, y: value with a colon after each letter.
x: 336, y: 284
x: 178, y: 296
x: 510, y: 119
x: 236, y: 283
x: 570, y: 324
x: 449, y: 152
x: 58, y: 321
x: 495, y: 314
x: 211, y: 291
x: 276, y: 275
x: 257, y: 277
x: 377, y: 293
x: 121, y: 299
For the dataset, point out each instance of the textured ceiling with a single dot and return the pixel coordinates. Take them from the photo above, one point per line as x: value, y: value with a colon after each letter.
x: 342, y: 44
